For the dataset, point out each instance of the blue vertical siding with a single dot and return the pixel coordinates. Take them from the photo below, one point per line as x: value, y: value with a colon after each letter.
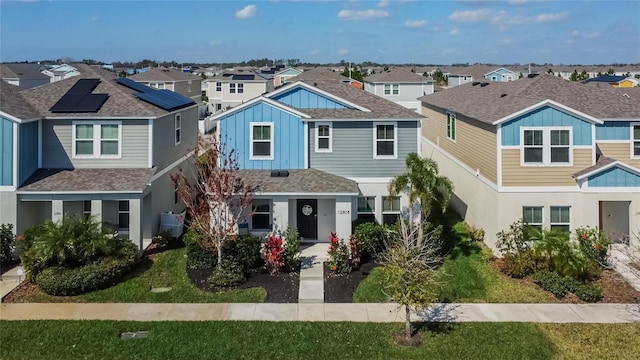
x: 302, y: 98
x: 546, y: 116
x: 288, y: 137
x: 614, y: 177
x: 27, y: 151
x: 613, y: 130
x: 6, y: 146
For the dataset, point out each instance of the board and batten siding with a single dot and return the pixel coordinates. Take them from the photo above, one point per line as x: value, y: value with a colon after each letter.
x: 614, y: 177
x: 619, y: 151
x: 352, y: 150
x: 165, y: 152
x: 546, y: 117
x: 57, y: 137
x: 302, y: 98
x: 27, y: 150
x: 6, y: 155
x: 513, y: 174
x: 475, y: 144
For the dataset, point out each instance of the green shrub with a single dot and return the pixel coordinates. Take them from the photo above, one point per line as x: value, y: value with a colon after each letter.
x: 372, y: 238
x: 291, y: 249
x: 519, y: 265
x: 554, y: 283
x: 475, y: 234
x: 227, y: 274
x: 594, y: 244
x: 515, y: 240
x: 245, y: 250
x: 7, y: 242
x: 555, y: 250
x: 487, y: 254
x: 338, y: 255
x: 198, y: 257
x: 60, y: 281
x: 588, y: 292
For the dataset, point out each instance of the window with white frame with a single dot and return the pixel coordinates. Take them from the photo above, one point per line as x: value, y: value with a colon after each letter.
x: 451, y: 126
x: 159, y: 85
x: 218, y: 86
x: 532, y: 215
x: 232, y: 88
x: 96, y: 140
x: 86, y: 208
x: 261, y: 214
x: 385, y: 141
x: 323, y: 137
x: 635, y: 145
x: 387, y: 89
x: 367, y: 208
x: 261, y: 141
x: 240, y: 88
x: 546, y: 146
x: 390, y: 209
x: 391, y: 89
x: 123, y: 215
x: 178, y: 128
x: 560, y: 218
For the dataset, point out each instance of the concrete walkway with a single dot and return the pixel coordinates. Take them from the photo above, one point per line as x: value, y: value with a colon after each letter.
x: 556, y: 313
x: 312, y: 274
x: 620, y: 257
x: 9, y: 281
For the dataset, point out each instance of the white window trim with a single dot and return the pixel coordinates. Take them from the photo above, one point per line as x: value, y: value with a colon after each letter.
x: 395, y: 140
x: 239, y: 88
x: 372, y: 212
x: 632, y: 156
x: 451, y: 115
x: 330, y: 125
x: 541, y: 224
x: 218, y: 86
x: 271, y: 142
x: 385, y: 199
x: 384, y: 89
x: 128, y: 212
x: 86, y: 213
x: 96, y: 140
x: 177, y: 129
x: 551, y: 223
x: 546, y: 146
x: 232, y: 86
x: 270, y: 213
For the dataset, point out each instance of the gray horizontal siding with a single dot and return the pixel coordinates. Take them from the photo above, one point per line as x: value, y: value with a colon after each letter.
x: 57, y: 137
x: 165, y: 152
x: 352, y: 152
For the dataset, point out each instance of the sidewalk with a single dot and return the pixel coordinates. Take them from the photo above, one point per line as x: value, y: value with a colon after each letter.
x: 556, y: 313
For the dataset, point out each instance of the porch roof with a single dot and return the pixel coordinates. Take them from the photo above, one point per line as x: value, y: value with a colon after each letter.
x: 88, y: 180
x: 302, y: 181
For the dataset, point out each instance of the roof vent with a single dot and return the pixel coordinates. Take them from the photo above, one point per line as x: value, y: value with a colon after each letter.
x: 503, y: 95
x: 475, y: 83
x: 484, y: 84
x: 532, y: 75
x: 279, y: 173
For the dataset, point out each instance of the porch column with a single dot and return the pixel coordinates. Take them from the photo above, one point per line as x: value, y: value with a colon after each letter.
x: 280, y: 212
x: 343, y: 216
x: 57, y: 211
x: 135, y: 222
x: 96, y: 210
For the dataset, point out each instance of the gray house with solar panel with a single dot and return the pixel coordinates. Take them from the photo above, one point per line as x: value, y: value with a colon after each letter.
x: 234, y: 88
x: 93, y: 145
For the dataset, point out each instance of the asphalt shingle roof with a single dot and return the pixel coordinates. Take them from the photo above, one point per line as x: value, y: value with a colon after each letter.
x: 402, y: 75
x: 500, y: 99
x: 12, y: 102
x: 21, y: 71
x: 601, y: 162
x: 299, y: 181
x: 164, y: 74
x: 88, y: 180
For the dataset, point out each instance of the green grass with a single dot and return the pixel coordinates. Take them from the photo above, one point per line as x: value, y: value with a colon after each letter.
x: 167, y: 270
x: 466, y: 277
x: 313, y: 340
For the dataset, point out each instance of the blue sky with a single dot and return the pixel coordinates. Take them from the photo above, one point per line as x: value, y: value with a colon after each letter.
x: 393, y: 31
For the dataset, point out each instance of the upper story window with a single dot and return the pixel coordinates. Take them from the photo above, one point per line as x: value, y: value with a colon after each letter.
x: 635, y: 145
x: 385, y: 142
x: 240, y: 88
x: 546, y: 146
x: 232, y: 88
x: 324, y: 137
x: 261, y: 141
x: 451, y: 126
x: 391, y: 89
x: 532, y: 215
x: 218, y: 86
x: 178, y: 128
x: 159, y: 85
x: 96, y: 140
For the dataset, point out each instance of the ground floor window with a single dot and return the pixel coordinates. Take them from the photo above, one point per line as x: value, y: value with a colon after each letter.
x: 261, y: 214
x: 560, y: 218
x: 390, y: 209
x: 532, y: 215
x: 123, y: 215
x: 86, y: 208
x: 367, y: 208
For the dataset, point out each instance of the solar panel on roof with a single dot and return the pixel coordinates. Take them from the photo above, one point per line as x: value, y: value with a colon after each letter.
x: 80, y: 99
x: 166, y: 99
x: 91, y: 103
x: 66, y: 103
x: 134, y: 85
x: 84, y: 86
x: 243, y: 77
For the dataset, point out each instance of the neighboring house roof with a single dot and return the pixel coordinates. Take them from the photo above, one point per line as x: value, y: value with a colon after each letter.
x: 122, y: 101
x: 298, y: 182
x: 292, y: 69
x: 13, y: 103
x: 498, y: 100
x: 607, y: 79
x: 22, y: 71
x: 397, y: 75
x: 318, y: 74
x: 164, y: 74
x: 88, y: 180
x: 244, y: 76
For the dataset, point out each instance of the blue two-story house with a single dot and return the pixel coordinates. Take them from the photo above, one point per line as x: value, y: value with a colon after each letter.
x: 93, y: 145
x: 322, y: 154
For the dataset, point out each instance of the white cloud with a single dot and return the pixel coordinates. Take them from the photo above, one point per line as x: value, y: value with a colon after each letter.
x: 545, y: 18
x: 506, y: 41
x: 471, y: 15
x: 454, y: 32
x: 415, y: 23
x: 383, y: 3
x: 362, y: 14
x: 575, y: 33
x: 215, y: 42
x: 343, y: 52
x: 246, y: 12
x: 95, y: 18
x: 592, y: 35
x: 314, y: 52
x: 518, y: 2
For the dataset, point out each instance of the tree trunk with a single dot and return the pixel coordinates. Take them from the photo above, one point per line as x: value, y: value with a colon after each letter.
x: 219, y: 248
x: 407, y: 322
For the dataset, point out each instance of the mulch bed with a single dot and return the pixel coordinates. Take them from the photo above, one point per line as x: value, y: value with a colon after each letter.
x: 339, y: 288
x: 280, y: 287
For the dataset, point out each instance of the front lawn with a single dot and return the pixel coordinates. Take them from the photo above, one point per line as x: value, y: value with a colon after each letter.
x: 312, y: 340
x: 163, y: 270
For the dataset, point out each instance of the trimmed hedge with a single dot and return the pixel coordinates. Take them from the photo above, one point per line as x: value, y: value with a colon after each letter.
x: 561, y: 285
x: 228, y: 274
x: 245, y: 251
x: 101, y: 274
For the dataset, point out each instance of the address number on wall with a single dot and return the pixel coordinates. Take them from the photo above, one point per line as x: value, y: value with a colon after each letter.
x: 344, y: 212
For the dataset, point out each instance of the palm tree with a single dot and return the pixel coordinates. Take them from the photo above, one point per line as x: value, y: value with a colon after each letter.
x: 425, y: 186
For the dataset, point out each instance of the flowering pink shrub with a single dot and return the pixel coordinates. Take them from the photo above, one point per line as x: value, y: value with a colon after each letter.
x: 273, y: 254
x: 338, y: 255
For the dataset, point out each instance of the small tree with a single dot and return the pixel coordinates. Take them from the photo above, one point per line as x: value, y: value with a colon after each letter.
x: 218, y: 195
x: 409, y: 272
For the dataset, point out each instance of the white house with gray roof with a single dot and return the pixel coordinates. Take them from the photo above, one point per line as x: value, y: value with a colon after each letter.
x: 399, y: 85
x: 93, y: 145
